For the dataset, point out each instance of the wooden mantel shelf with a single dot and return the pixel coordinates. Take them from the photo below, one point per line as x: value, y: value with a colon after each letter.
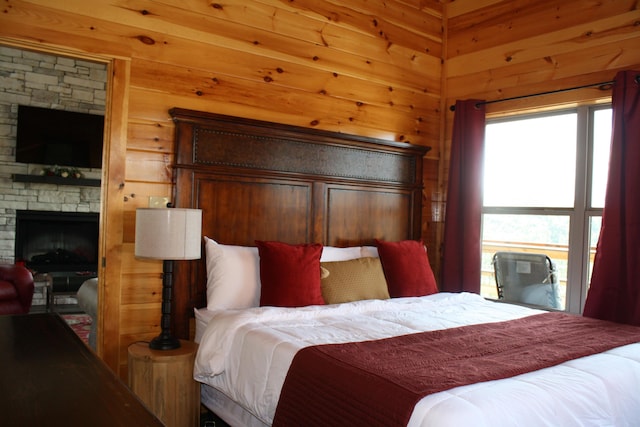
x: 56, y: 180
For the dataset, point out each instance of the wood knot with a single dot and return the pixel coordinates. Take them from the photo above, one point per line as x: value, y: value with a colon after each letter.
x: 146, y: 40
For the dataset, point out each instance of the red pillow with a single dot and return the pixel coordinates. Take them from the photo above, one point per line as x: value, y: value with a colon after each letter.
x: 289, y: 274
x: 406, y: 268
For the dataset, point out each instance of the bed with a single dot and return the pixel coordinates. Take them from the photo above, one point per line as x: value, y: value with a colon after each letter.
x: 272, y: 193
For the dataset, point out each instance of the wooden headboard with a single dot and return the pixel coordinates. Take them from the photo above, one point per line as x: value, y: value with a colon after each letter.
x: 257, y: 180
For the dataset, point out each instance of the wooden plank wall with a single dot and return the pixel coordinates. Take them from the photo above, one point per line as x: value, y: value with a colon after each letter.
x: 385, y: 69
x: 362, y: 67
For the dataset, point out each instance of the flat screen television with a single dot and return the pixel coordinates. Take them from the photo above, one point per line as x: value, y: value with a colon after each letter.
x: 57, y: 137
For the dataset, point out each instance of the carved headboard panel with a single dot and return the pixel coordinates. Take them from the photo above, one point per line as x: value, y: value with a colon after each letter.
x: 257, y: 180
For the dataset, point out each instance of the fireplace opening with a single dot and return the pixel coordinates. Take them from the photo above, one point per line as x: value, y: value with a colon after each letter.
x: 49, y: 242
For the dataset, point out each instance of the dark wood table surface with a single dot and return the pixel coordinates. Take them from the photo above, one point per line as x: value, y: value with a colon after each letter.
x: 48, y: 376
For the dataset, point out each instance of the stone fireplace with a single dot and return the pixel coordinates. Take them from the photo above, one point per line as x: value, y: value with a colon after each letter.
x: 49, y: 81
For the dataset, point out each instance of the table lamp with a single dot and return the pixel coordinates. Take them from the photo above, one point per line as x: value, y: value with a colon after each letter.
x: 168, y: 234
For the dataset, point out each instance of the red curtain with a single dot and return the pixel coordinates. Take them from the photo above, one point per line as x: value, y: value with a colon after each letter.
x: 614, y: 293
x: 461, y: 246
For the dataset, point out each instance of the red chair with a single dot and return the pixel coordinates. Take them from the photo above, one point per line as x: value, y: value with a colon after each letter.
x: 16, y: 289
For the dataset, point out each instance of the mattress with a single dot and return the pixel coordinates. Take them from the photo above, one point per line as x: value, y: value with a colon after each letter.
x: 226, y: 409
x: 245, y: 355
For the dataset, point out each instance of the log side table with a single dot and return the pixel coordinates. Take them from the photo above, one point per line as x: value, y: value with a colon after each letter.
x: 163, y: 380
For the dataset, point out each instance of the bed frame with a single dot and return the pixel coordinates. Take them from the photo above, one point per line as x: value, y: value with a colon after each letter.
x: 257, y: 180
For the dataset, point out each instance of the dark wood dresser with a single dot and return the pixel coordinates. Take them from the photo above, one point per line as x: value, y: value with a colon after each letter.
x: 48, y: 376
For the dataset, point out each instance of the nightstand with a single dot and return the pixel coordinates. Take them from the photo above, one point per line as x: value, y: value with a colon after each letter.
x: 163, y: 380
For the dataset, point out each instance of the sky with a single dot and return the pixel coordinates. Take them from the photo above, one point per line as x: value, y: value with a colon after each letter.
x: 532, y: 162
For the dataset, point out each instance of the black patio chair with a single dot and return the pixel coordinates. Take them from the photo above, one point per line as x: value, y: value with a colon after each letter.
x: 527, y: 278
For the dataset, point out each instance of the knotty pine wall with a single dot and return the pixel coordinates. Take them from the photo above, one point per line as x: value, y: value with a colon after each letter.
x: 362, y: 67
x: 382, y: 69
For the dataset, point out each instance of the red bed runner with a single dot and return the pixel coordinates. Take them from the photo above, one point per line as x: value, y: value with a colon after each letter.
x: 377, y: 383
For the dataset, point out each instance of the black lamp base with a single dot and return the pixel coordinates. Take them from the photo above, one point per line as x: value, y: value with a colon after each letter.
x: 164, y: 343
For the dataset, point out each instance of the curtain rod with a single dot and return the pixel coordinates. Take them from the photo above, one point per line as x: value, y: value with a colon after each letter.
x: 603, y: 86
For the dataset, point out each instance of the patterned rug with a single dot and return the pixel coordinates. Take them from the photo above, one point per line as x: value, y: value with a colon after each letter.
x: 80, y: 323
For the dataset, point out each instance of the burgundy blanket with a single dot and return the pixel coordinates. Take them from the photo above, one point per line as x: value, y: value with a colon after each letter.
x: 377, y: 383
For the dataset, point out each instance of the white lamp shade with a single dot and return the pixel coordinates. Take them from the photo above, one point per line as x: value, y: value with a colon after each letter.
x: 168, y: 233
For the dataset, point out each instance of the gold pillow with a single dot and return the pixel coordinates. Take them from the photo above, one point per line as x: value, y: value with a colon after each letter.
x: 353, y: 280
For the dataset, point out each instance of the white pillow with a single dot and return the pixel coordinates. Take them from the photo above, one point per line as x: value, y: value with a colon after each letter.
x: 332, y: 253
x: 233, y: 276
x: 369, y: 252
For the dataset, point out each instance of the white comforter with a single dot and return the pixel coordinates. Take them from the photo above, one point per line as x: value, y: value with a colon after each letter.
x: 246, y: 354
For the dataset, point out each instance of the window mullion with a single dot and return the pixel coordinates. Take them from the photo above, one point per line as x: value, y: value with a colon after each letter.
x: 578, y: 233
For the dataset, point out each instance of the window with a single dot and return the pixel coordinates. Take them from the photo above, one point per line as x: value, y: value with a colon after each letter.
x: 544, y: 187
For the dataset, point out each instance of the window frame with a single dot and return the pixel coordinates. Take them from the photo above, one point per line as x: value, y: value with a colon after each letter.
x: 580, y: 214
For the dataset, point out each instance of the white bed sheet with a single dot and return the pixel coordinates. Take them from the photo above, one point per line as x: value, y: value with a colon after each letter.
x: 203, y: 316
x: 246, y: 355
